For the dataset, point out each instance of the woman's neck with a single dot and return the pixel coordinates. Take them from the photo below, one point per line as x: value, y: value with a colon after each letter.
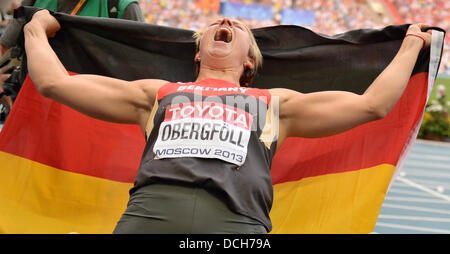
x: 231, y: 76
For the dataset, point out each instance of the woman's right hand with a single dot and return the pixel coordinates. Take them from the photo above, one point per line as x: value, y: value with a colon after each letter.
x: 45, y: 20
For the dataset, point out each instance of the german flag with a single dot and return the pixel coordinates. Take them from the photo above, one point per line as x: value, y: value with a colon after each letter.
x: 62, y: 172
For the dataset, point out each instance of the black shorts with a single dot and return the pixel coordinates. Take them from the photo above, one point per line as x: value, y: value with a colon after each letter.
x: 176, y: 209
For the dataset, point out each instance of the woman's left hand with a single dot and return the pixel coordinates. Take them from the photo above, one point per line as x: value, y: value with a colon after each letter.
x: 416, y: 30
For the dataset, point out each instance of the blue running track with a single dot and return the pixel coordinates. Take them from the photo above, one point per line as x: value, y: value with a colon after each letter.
x: 418, y: 201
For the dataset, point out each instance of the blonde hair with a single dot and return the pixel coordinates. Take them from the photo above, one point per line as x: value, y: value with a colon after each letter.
x: 253, y: 52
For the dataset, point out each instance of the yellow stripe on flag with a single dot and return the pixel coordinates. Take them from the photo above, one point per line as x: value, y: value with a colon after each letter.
x: 35, y: 198
x: 347, y: 202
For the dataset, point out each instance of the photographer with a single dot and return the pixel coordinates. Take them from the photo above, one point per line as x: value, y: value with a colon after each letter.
x: 6, y: 9
x: 10, y: 85
x: 94, y: 8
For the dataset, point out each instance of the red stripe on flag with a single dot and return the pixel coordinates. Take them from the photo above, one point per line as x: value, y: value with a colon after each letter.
x: 365, y: 146
x: 48, y: 132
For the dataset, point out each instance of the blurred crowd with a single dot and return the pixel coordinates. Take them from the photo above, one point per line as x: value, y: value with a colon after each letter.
x: 331, y: 16
x: 433, y: 12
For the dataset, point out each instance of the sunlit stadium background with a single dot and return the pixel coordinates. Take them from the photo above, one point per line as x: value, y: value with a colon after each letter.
x: 419, y: 199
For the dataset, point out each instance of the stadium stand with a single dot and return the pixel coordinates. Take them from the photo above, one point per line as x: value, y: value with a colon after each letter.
x: 329, y: 16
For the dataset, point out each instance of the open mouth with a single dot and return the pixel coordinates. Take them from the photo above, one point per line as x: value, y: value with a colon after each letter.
x: 223, y: 34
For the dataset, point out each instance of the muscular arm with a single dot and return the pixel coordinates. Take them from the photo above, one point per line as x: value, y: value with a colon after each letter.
x: 327, y: 113
x: 96, y: 96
